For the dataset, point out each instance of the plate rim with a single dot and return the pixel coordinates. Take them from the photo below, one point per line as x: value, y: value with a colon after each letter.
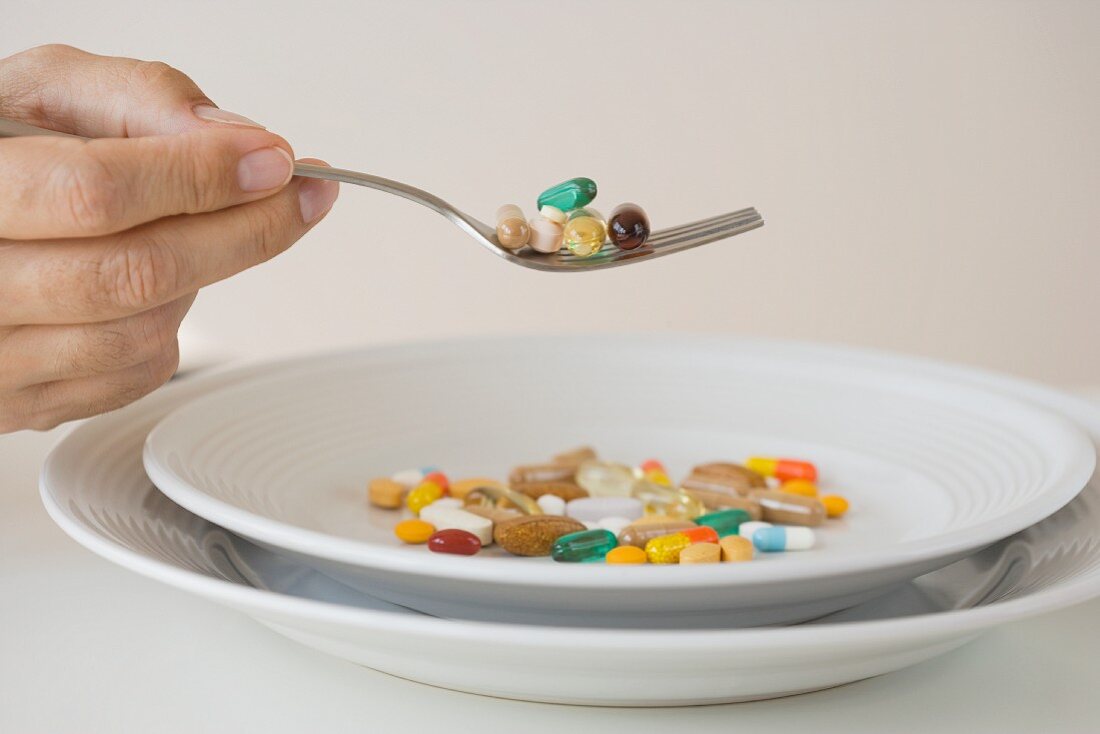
x: 502, y: 571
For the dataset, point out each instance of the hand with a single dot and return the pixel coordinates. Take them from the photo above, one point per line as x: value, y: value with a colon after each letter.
x: 104, y: 244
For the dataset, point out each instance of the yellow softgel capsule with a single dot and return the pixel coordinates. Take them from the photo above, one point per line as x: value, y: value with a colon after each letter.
x: 423, y: 495
x: 658, y: 477
x: 799, y: 486
x: 584, y: 233
x: 414, y: 531
x: 626, y: 554
x: 835, y: 505
x: 666, y: 548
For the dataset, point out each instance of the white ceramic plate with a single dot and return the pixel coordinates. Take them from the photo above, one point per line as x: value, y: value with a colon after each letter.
x: 934, y: 469
x: 94, y: 488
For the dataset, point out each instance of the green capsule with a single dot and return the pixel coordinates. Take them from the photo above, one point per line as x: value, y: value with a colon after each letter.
x: 572, y: 194
x: 584, y: 546
x: 724, y: 522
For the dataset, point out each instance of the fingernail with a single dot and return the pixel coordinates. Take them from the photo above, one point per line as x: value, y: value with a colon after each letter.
x: 316, y: 196
x: 263, y: 169
x: 213, y: 114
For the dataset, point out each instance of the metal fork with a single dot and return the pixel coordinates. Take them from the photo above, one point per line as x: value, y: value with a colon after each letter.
x: 662, y: 242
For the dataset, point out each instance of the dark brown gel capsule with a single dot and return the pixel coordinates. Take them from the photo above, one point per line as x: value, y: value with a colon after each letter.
x: 628, y: 227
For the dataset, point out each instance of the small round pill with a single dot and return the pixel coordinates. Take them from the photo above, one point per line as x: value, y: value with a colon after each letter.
x: 799, y: 486
x: 408, y: 477
x: 385, y: 493
x: 545, y: 235
x: 626, y: 554
x: 783, y: 538
x: 652, y: 465
x: 835, y: 505
x: 551, y: 504
x: 735, y: 549
x: 454, y: 541
x: 553, y: 214
x: 701, y: 553
x: 414, y: 531
x: 452, y: 502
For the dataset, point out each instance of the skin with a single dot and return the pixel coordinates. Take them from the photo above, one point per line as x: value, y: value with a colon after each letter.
x: 104, y: 244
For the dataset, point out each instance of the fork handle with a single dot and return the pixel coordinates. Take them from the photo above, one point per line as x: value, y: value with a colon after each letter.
x: 13, y: 129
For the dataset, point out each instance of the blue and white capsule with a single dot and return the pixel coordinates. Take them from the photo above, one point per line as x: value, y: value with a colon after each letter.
x: 748, y: 529
x: 780, y: 538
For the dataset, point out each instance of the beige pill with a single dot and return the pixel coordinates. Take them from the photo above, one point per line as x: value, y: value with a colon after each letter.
x: 513, y: 232
x: 735, y: 549
x: 546, y: 236
x: 576, y: 457
x: 701, y: 553
x: 533, y: 535
x: 385, y: 493
x: 566, y: 490
x: 529, y: 473
x: 789, y: 509
x: 723, y: 477
x: 463, y: 487
x: 722, y: 501
x: 639, y: 533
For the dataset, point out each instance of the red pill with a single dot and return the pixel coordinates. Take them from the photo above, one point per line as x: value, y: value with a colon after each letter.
x: 653, y: 465
x: 701, y: 534
x: 439, y: 478
x: 453, y: 540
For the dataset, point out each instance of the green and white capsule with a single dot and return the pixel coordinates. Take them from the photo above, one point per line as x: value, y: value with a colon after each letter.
x: 782, y: 538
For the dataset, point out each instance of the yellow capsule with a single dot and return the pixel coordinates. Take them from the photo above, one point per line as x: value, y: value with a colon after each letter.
x: 423, y: 495
x: 799, y: 486
x: 626, y: 554
x: 584, y: 233
x: 835, y: 505
x: 666, y: 548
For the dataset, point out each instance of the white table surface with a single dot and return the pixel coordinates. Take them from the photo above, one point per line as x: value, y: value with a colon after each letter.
x: 89, y: 647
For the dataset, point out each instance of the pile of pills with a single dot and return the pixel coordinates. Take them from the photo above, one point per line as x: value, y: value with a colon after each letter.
x: 565, y: 219
x: 577, y: 508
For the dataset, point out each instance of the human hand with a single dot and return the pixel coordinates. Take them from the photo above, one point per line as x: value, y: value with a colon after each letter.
x: 104, y: 244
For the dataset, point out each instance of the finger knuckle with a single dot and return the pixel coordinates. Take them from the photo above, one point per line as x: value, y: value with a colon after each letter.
x: 139, y: 274
x: 152, y: 76
x: 89, y: 194
x: 102, y: 348
x: 270, y: 229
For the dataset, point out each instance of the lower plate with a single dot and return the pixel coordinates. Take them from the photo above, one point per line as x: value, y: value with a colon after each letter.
x: 94, y: 487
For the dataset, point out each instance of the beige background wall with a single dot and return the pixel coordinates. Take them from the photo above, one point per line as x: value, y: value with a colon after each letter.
x: 929, y: 172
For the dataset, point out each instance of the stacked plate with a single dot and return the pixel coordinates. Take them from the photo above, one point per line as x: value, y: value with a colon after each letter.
x: 248, y: 487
